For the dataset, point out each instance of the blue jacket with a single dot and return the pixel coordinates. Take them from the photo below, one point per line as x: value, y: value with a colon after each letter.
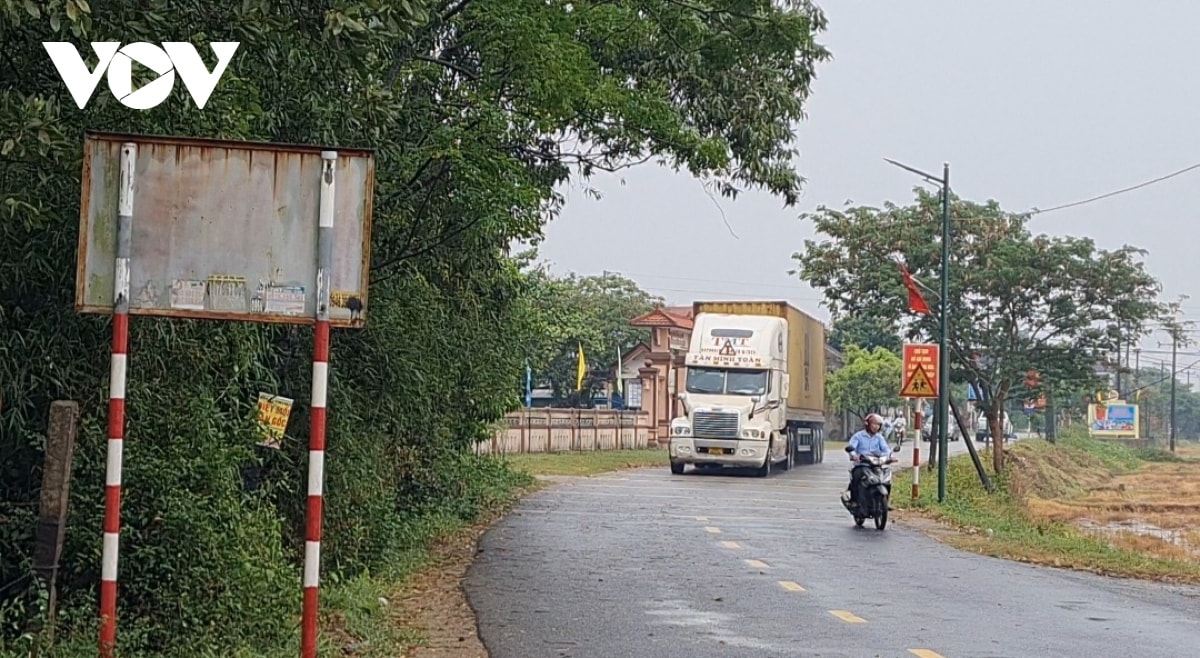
x: 866, y: 444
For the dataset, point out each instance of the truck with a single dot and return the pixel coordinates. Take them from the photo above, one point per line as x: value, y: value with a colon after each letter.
x: 754, y: 393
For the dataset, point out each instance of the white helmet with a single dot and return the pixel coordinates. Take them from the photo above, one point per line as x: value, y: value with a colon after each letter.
x: 876, y: 418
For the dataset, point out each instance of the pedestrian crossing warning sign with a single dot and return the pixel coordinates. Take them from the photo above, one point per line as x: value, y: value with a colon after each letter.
x: 727, y: 350
x: 918, y: 385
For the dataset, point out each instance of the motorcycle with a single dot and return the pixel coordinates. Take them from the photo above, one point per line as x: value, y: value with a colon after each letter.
x: 874, y: 491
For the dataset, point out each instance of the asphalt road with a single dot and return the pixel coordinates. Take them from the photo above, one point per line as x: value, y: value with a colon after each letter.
x: 643, y: 564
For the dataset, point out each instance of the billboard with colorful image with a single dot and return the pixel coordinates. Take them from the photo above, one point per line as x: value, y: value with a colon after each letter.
x: 1114, y: 419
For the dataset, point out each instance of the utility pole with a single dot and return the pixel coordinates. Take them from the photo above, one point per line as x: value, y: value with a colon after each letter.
x: 1120, y: 336
x: 943, y: 324
x: 1128, y: 346
x: 1174, y: 353
x: 1162, y: 369
x: 1137, y: 385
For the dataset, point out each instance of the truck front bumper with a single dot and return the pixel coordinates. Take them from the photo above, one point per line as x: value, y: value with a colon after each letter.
x: 690, y: 450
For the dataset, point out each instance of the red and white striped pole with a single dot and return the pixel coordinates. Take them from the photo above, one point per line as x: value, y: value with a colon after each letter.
x: 317, y: 410
x: 916, y: 471
x: 118, y: 369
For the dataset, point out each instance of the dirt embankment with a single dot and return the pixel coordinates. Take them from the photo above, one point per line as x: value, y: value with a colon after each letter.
x: 1152, y: 507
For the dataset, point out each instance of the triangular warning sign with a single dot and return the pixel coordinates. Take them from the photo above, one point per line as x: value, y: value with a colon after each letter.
x: 728, y: 349
x: 918, y: 386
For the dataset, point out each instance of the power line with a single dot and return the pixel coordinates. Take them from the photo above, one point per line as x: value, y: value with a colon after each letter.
x: 1107, y: 195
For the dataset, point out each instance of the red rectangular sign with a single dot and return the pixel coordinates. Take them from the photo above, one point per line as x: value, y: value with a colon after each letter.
x: 920, y: 374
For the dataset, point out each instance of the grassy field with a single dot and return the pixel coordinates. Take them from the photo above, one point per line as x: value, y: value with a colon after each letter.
x: 586, y: 463
x: 1057, y: 503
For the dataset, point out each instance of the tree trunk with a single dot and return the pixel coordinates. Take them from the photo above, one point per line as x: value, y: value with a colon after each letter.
x: 933, y: 441
x: 996, y: 426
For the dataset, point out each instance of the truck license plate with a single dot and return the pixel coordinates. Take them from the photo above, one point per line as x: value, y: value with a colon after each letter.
x: 716, y: 451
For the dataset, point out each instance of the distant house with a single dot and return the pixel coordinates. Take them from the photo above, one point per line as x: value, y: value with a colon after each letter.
x: 661, y: 370
x: 632, y: 361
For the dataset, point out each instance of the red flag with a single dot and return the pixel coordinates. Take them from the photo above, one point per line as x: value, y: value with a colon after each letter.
x: 916, y: 303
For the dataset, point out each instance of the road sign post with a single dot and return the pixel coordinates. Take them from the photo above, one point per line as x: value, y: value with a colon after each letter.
x: 222, y: 230
x: 918, y: 380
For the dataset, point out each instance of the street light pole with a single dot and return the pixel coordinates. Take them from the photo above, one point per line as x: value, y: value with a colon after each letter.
x: 944, y: 342
x: 943, y: 323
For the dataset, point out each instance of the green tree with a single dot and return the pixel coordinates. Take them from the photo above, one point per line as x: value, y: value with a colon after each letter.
x: 478, y: 110
x: 868, y: 382
x: 1018, y: 301
x: 592, y: 311
x: 869, y: 331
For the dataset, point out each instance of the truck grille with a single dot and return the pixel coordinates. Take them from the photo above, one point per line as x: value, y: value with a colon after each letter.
x: 715, y: 425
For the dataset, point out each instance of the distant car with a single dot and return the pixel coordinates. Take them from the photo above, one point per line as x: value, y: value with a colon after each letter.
x: 983, y: 433
x: 952, y: 433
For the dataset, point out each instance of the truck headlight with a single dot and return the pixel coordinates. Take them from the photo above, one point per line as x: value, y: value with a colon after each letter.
x: 681, y: 430
x: 752, y: 433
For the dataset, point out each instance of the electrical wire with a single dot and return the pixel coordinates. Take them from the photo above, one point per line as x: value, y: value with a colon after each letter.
x: 1099, y: 197
x: 1123, y: 190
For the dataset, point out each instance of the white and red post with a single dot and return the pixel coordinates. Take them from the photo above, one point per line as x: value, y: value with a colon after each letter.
x: 916, y: 471
x: 116, y: 406
x: 318, y: 414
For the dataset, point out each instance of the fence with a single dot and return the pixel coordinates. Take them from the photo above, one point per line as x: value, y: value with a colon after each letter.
x: 563, y: 430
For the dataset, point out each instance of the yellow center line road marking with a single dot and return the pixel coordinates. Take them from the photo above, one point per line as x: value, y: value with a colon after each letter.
x: 730, y: 544
x: 925, y: 653
x: 848, y: 617
x: 713, y: 530
x: 757, y: 564
x: 790, y: 586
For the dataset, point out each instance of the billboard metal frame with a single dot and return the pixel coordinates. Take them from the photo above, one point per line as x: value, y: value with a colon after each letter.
x: 318, y: 273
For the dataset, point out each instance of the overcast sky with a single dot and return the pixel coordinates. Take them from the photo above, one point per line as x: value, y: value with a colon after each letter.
x: 1032, y: 103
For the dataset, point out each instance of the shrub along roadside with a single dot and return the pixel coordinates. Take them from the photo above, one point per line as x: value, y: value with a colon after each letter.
x: 357, y: 613
x: 1001, y: 525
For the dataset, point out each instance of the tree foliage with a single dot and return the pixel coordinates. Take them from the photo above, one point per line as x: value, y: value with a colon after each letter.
x: 1018, y: 301
x: 477, y: 110
x: 592, y: 311
x: 868, y: 331
x: 868, y: 382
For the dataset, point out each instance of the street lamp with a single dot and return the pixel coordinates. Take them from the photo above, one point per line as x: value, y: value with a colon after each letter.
x: 943, y: 322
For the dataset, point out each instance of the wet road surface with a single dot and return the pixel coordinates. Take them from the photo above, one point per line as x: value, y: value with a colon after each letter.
x: 644, y: 564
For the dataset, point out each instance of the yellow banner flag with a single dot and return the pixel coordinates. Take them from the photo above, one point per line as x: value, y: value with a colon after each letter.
x: 580, y: 369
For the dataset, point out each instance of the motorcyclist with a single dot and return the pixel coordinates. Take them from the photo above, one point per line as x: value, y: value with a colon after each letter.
x: 867, y: 441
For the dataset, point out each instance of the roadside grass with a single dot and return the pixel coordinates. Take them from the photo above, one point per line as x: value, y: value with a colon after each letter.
x: 1017, y: 521
x: 585, y: 463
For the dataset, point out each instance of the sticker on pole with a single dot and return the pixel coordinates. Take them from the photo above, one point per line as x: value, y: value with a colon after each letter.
x: 273, y: 413
x: 920, y: 373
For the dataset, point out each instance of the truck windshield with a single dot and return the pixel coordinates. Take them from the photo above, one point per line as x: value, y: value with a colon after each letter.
x: 715, y: 381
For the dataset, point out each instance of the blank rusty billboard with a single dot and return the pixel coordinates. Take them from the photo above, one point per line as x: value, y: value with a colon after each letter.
x: 224, y: 230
